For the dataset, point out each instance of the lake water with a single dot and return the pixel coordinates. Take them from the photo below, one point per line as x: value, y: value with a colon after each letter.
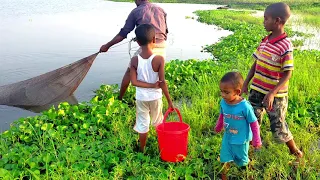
x: 38, y: 36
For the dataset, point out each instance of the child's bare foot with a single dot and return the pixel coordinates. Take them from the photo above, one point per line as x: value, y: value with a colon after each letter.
x: 224, y: 176
x: 299, y: 157
x: 298, y: 154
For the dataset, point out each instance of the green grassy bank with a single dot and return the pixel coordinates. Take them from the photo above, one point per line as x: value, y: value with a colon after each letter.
x: 95, y: 140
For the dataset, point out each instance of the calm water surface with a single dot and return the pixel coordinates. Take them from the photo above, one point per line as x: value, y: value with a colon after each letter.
x: 38, y: 36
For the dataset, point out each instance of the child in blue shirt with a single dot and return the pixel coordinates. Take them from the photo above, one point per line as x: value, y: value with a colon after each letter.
x: 238, y: 120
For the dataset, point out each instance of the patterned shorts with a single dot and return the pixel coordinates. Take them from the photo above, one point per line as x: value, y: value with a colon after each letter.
x: 278, y: 124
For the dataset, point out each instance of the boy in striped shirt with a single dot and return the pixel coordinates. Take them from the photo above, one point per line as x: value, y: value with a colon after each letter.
x: 270, y: 74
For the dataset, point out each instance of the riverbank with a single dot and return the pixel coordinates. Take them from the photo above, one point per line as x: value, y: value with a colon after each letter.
x: 96, y: 140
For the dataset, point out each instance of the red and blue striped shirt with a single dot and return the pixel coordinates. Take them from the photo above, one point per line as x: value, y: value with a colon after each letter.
x: 273, y: 57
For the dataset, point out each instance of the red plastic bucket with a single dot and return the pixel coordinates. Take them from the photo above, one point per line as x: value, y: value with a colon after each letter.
x: 173, y: 138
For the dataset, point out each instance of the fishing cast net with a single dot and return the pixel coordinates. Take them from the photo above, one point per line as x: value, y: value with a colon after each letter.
x: 47, y: 88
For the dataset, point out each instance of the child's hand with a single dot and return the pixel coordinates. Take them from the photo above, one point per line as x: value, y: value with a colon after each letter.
x: 268, y: 101
x: 170, y: 105
x: 258, y: 147
x: 244, y: 89
x: 217, y: 129
x: 157, y: 84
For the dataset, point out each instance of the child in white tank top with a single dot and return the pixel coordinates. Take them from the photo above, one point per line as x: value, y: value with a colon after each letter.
x: 147, y: 74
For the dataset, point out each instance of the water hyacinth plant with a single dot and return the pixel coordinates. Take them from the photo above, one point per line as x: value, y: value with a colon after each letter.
x: 95, y: 140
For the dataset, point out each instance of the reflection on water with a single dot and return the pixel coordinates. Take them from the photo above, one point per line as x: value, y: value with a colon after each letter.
x: 313, y: 39
x: 40, y: 36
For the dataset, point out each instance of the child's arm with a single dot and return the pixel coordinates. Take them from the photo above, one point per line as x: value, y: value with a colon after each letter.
x: 256, y: 140
x: 286, y: 69
x: 163, y: 84
x: 133, y: 76
x: 268, y: 98
x: 254, y: 125
x: 219, y: 125
x: 244, y: 88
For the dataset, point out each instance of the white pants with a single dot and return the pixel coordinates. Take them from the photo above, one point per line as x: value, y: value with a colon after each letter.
x: 145, y: 110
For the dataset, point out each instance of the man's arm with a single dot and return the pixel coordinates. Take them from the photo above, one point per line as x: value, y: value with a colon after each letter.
x: 127, y: 28
x: 118, y: 38
x: 133, y: 75
x: 163, y: 84
x: 165, y: 20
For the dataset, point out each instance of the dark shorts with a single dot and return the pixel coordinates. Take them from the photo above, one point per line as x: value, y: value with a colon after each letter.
x: 278, y: 124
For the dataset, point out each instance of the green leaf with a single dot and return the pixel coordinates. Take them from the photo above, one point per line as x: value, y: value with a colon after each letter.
x: 46, y: 126
x: 86, y: 126
x: 34, y: 173
x: 95, y: 99
x: 111, y: 101
x: 61, y: 112
x: 75, y: 126
x: 4, y: 173
x: 32, y: 165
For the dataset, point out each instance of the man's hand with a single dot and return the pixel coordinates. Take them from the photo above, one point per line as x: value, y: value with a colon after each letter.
x: 268, y: 101
x: 104, y: 48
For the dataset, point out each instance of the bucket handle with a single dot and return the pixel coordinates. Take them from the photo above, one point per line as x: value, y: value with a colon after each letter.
x: 170, y: 110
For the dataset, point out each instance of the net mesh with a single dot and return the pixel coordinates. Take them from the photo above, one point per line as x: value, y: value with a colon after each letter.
x: 47, y: 88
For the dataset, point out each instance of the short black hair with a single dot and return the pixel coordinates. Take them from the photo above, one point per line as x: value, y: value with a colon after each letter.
x: 235, y: 78
x: 279, y: 10
x: 145, y: 34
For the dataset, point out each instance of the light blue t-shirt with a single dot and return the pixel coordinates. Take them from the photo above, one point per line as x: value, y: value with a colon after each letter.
x: 237, y: 119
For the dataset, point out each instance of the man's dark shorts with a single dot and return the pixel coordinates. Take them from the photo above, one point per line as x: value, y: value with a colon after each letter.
x: 278, y: 124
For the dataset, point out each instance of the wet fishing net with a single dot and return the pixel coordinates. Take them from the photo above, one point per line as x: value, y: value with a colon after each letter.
x: 47, y: 88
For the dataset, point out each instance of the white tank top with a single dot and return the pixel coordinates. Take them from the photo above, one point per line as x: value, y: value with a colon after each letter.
x: 146, y: 74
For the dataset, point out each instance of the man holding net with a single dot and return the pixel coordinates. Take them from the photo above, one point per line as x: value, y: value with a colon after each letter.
x: 144, y: 13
